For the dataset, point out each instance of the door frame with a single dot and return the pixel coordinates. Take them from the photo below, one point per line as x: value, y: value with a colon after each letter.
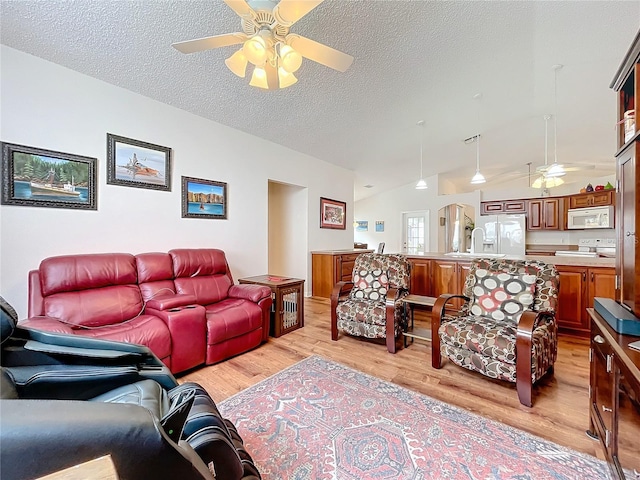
x: 427, y: 229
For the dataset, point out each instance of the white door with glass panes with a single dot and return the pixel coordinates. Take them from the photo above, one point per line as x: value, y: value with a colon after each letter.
x: 415, y: 232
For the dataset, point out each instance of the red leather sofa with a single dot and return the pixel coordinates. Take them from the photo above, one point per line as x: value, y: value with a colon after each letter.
x: 183, y: 304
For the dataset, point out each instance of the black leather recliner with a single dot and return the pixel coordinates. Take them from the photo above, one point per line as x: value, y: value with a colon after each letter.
x: 66, y: 400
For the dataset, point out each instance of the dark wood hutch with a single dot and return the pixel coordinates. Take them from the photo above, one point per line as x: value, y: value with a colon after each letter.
x: 614, y: 398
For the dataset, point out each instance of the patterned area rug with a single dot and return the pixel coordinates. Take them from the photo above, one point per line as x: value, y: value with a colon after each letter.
x: 321, y: 420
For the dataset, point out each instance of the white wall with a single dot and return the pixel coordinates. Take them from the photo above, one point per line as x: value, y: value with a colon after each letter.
x: 389, y: 206
x: 287, y: 230
x: 48, y: 106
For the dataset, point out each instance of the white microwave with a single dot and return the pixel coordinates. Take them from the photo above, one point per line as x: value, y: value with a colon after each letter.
x: 595, y: 217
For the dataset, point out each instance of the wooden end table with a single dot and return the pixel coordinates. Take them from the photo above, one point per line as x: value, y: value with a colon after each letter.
x: 287, y: 310
x: 410, y: 302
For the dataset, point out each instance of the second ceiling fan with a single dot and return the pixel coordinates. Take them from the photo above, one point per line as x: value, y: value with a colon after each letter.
x: 267, y: 44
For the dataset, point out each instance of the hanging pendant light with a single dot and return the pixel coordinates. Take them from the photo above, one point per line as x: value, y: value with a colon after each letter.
x: 478, y: 178
x: 556, y: 170
x: 421, y: 185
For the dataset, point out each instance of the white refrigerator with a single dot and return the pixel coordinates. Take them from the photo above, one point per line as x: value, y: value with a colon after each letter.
x: 502, y: 234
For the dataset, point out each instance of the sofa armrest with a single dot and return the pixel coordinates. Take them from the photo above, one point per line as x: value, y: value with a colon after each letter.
x: 167, y: 302
x: 254, y: 293
x: 48, y: 324
x: 188, y: 328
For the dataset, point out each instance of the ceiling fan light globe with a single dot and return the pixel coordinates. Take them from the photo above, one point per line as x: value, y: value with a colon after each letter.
x: 555, y: 171
x: 255, y: 50
x: 237, y: 63
x: 286, y: 79
x: 421, y: 185
x: 538, y: 183
x: 554, y: 182
x: 290, y: 59
x: 478, y: 178
x: 259, y: 78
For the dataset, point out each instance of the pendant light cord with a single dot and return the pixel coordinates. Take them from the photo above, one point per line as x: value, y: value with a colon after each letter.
x: 555, y: 119
x: 479, y: 97
x: 421, y: 140
x: 421, y: 125
x: 546, y: 139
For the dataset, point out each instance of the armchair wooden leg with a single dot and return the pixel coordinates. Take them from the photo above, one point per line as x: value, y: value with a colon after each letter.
x: 524, y: 391
x: 334, y: 319
x: 334, y: 325
x: 436, y: 358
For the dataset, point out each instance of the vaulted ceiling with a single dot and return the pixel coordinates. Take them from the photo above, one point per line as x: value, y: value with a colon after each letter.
x: 414, y: 60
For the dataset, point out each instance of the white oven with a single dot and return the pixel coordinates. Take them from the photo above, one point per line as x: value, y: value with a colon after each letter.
x: 595, y: 217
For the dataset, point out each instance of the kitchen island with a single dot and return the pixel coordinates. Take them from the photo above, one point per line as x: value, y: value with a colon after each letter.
x: 435, y: 273
x: 581, y: 279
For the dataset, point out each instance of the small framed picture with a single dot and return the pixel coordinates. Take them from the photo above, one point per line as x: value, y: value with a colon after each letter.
x: 379, y: 226
x: 134, y: 163
x: 36, y: 177
x: 203, y: 198
x: 333, y: 214
x: 362, y: 225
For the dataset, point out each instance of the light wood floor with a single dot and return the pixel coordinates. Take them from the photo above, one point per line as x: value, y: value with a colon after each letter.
x: 559, y: 413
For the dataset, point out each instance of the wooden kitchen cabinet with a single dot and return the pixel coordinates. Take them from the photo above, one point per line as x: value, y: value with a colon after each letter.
x: 601, y: 198
x: 503, y: 206
x: 330, y: 267
x: 578, y: 287
x: 448, y: 277
x: 546, y: 214
x: 614, y: 398
x: 420, y: 276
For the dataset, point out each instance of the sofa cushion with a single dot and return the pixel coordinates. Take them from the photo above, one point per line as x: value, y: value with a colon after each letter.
x: 231, y: 318
x: 95, y: 307
x: 155, y: 274
x: 146, y: 330
x: 203, y: 273
x: 70, y: 273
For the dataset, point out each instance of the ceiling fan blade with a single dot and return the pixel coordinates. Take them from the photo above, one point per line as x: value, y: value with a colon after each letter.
x: 208, y: 43
x: 242, y: 8
x: 288, y: 12
x: 320, y: 53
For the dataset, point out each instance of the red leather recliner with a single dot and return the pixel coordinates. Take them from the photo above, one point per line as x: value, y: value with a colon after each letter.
x: 94, y: 296
x: 237, y: 315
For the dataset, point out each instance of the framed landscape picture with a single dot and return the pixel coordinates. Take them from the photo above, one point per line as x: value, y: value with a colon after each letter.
x: 133, y: 163
x: 333, y: 214
x: 362, y: 225
x: 43, y: 178
x: 203, y: 198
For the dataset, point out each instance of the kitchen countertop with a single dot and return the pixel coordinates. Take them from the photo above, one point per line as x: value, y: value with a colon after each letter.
x: 346, y: 250
x: 555, y: 260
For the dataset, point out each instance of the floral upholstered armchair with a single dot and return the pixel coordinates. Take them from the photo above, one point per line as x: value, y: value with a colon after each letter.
x: 506, y: 329
x: 372, y: 308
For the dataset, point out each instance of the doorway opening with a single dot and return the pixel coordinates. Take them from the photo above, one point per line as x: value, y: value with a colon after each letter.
x: 287, y: 224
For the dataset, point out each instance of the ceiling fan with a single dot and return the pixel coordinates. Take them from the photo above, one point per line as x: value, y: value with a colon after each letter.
x: 267, y: 44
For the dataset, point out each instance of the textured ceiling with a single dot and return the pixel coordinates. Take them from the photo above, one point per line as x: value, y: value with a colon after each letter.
x: 413, y: 60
